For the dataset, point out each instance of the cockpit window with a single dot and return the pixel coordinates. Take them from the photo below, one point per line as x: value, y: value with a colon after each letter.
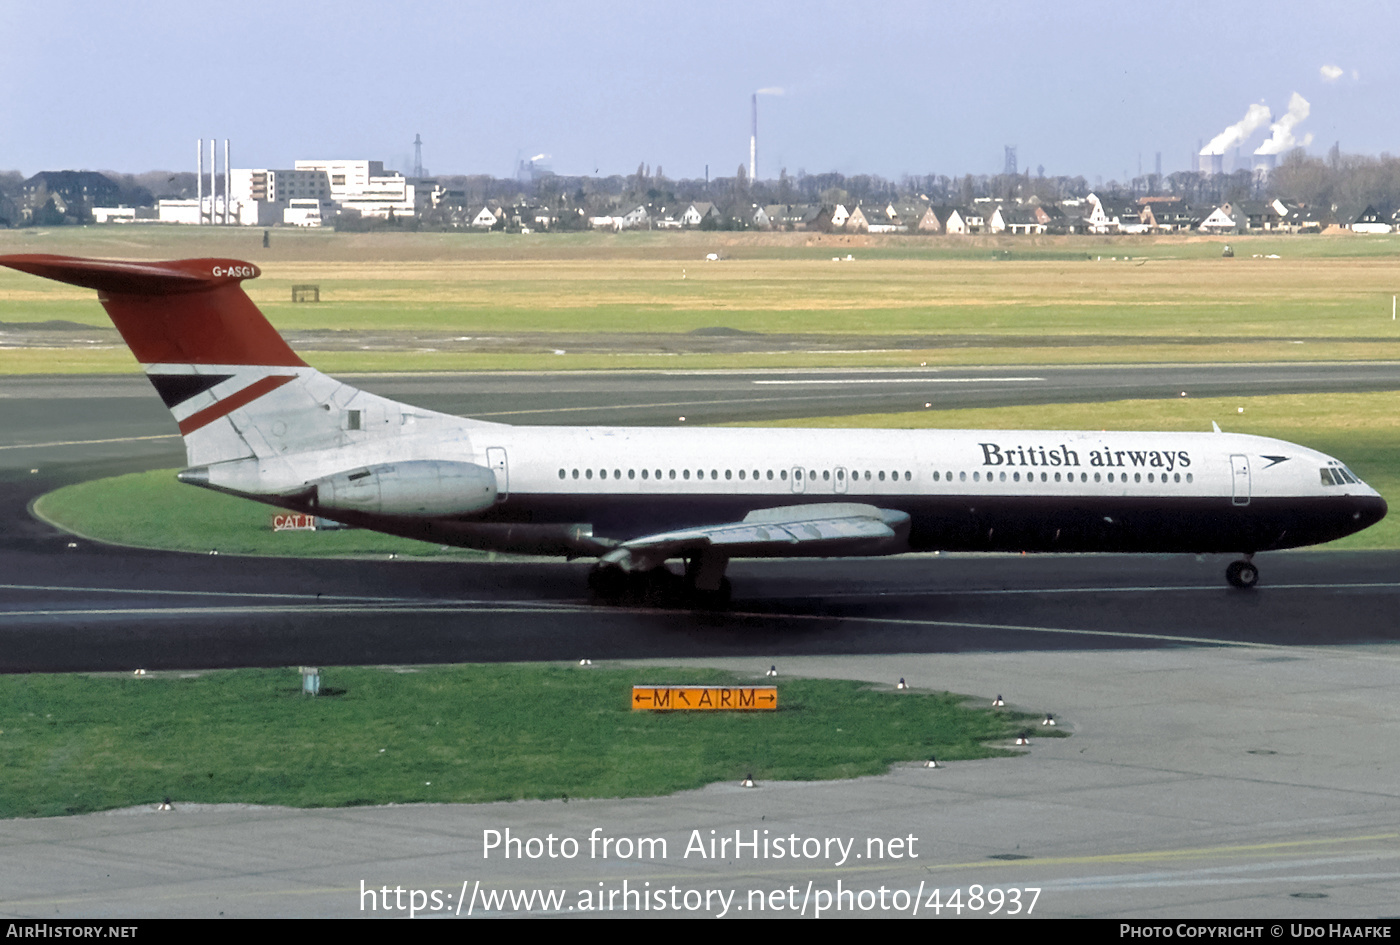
x: 1338, y: 476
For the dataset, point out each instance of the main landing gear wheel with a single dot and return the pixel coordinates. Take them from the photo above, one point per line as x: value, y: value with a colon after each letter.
x: 659, y: 587
x: 717, y: 599
x: 613, y: 585
x: 607, y: 583
x: 1242, y: 574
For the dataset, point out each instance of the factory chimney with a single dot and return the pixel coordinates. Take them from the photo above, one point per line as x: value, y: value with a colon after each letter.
x: 753, y: 142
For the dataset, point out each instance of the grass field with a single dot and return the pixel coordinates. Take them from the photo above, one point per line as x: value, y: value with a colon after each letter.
x: 979, y: 300
x: 71, y: 744
x: 1363, y: 430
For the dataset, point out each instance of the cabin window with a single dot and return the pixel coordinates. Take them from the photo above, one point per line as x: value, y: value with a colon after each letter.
x: 588, y: 474
x: 882, y: 475
x: 631, y: 474
x: 673, y: 474
x: 561, y: 474
x: 935, y: 475
x: 741, y: 474
x: 908, y: 476
x: 1176, y: 477
x: 602, y: 474
x: 755, y: 475
x: 782, y: 474
x: 644, y: 473
x: 685, y: 473
x: 826, y: 475
x: 1016, y: 476
x: 617, y: 473
x: 1149, y: 478
x: 1189, y: 477
x: 1137, y: 477
x: 797, y: 474
x: 1057, y: 477
x: 976, y: 477
x: 575, y: 473
x: 770, y: 474
x: 1096, y: 477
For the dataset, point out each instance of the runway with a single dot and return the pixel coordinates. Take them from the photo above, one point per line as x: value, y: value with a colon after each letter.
x: 1228, y: 755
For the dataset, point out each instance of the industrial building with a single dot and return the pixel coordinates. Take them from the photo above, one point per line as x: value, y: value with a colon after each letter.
x: 315, y: 192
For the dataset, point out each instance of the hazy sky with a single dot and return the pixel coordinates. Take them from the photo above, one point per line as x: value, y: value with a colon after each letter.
x: 886, y: 88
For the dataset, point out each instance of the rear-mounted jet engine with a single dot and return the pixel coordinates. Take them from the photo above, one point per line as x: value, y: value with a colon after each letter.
x: 414, y: 488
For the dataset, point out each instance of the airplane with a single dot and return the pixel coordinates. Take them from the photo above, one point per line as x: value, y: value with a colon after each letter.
x: 260, y: 423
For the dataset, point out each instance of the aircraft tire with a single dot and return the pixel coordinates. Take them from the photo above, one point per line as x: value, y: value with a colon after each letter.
x: 607, y: 583
x: 659, y: 587
x: 712, y: 600
x: 1242, y: 574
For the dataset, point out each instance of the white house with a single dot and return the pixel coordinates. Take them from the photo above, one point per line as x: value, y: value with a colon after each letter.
x: 695, y: 214
x: 486, y: 218
x: 635, y: 218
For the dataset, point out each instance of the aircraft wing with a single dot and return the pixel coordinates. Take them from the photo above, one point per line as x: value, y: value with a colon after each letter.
x: 828, y: 529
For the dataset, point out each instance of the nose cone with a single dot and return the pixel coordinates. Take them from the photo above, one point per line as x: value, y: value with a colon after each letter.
x: 1370, y: 510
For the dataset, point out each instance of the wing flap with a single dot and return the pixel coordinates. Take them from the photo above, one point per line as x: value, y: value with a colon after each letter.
x: 834, y: 529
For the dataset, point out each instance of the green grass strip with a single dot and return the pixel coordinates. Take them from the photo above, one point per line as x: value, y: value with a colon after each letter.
x: 1018, y: 351
x: 75, y: 743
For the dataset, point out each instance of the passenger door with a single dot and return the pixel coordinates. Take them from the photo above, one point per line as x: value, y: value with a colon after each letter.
x: 1239, y: 479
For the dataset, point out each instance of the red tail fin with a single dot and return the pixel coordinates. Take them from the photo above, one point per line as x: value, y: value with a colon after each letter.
x: 190, y: 311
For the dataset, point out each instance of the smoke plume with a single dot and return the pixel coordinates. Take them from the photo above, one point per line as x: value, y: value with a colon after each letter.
x: 1281, y: 137
x: 1257, y: 117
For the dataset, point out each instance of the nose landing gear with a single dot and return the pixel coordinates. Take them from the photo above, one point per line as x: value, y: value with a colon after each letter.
x: 1242, y: 574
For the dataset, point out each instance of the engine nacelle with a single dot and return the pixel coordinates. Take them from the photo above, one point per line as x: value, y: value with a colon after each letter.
x: 423, y: 487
